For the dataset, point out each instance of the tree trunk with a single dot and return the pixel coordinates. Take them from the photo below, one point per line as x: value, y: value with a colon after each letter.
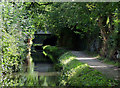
x: 29, y: 44
x: 103, y: 28
x: 105, y: 32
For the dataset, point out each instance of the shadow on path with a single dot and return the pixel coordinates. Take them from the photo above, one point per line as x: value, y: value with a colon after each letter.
x: 109, y: 70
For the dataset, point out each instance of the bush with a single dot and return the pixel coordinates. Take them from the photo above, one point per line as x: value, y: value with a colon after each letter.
x: 14, y: 30
x: 53, y: 52
x: 75, y: 73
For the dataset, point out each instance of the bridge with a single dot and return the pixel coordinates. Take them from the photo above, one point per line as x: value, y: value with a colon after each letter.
x: 42, y: 38
x: 39, y: 38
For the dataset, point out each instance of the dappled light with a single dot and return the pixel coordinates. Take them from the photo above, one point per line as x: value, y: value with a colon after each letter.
x: 85, y: 58
x: 31, y: 74
x: 53, y: 44
x: 98, y: 66
x: 67, y: 60
x: 108, y: 70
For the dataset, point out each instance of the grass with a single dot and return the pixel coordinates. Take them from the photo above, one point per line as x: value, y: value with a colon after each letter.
x: 110, y: 62
x: 74, y: 72
x: 102, y: 59
x: 53, y: 52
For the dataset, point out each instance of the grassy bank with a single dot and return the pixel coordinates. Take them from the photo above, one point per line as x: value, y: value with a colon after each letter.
x: 75, y: 73
x: 103, y: 59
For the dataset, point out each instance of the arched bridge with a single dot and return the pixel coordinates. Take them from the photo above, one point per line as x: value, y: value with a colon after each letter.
x: 44, y: 39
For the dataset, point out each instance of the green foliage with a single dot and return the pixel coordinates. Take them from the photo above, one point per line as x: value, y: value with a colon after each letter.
x: 11, y: 46
x: 75, y: 73
x: 87, y: 20
x: 14, y: 30
x: 37, y: 12
x: 19, y: 21
x: 108, y: 61
x: 84, y: 20
x: 26, y: 79
x: 69, y: 15
x: 53, y: 52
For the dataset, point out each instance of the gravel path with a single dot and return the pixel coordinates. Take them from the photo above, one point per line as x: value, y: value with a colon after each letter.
x: 109, y: 70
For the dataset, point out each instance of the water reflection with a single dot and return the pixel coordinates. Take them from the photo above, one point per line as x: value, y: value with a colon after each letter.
x: 29, y: 64
x: 29, y: 76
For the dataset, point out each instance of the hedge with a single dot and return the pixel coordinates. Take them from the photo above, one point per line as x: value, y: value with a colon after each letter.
x: 74, y: 72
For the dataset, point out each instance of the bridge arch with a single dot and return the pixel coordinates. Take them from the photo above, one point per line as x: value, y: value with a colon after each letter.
x: 44, y: 39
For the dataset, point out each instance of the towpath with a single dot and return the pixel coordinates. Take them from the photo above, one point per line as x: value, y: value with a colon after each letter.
x: 109, y: 70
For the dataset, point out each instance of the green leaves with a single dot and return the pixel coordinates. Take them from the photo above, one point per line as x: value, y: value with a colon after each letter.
x: 12, y: 37
x: 74, y: 72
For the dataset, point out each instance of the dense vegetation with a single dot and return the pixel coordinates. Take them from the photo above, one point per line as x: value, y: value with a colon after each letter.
x: 75, y: 73
x: 92, y: 26
x: 78, y: 26
x: 96, y: 28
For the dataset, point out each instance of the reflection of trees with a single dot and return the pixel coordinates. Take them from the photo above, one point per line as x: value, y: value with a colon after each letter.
x: 17, y: 79
x: 27, y: 77
x: 12, y: 80
x: 30, y: 64
x: 27, y: 80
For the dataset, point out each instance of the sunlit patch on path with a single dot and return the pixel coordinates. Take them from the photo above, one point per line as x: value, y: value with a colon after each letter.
x: 109, y: 70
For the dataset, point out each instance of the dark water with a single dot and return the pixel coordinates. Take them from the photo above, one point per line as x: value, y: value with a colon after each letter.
x: 38, y: 71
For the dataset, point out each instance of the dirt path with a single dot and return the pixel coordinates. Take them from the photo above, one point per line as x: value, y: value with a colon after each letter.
x: 109, y: 70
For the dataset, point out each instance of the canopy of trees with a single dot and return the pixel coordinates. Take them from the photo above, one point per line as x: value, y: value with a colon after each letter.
x: 96, y: 23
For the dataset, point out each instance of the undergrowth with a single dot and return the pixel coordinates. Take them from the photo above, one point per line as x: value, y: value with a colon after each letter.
x: 74, y: 72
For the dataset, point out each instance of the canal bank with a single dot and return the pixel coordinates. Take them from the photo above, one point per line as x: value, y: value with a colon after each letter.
x: 38, y: 71
x: 74, y: 72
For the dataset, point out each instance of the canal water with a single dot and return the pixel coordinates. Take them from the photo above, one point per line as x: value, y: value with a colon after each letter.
x: 38, y: 71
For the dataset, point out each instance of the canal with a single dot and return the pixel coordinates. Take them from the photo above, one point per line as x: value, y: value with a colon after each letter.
x: 38, y: 71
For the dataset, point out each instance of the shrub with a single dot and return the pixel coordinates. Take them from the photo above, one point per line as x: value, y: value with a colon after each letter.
x: 75, y: 73
x: 53, y: 52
